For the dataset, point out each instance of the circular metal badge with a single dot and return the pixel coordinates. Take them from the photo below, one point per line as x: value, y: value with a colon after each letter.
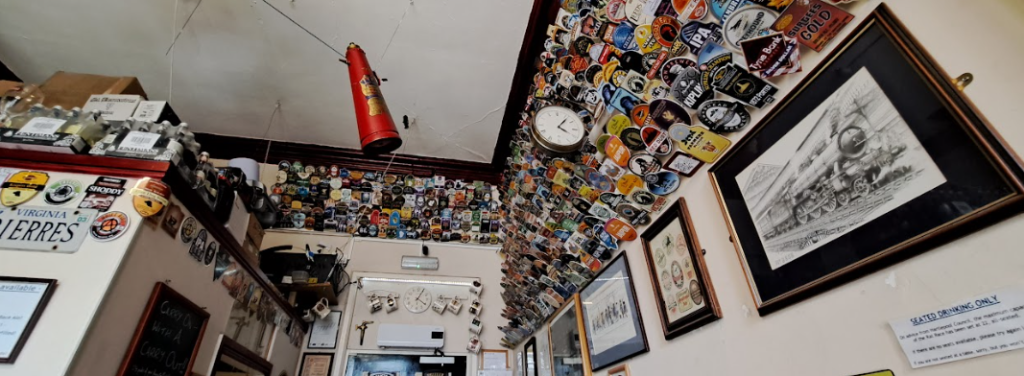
x: 644, y: 164
x: 632, y: 139
x: 642, y: 197
x: 723, y: 116
x: 109, y: 226
x: 746, y: 23
x: 662, y: 183
x: 679, y: 132
x: 674, y: 67
x: 62, y: 191
x: 189, y: 229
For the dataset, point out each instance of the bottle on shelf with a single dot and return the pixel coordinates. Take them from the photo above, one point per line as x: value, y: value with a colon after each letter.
x: 90, y: 129
x: 19, y: 120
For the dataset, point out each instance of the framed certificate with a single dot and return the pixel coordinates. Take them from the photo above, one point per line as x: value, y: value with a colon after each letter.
x: 324, y: 334
x: 316, y: 364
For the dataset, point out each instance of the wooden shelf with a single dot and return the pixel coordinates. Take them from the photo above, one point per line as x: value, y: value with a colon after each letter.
x: 322, y: 290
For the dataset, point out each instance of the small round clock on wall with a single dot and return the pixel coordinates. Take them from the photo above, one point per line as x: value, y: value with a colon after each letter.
x: 417, y: 299
x: 558, y: 130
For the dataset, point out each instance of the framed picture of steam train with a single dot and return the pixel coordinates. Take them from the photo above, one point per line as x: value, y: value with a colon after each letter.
x: 874, y: 157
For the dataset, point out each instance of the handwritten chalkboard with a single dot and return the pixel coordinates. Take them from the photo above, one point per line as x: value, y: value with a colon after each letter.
x: 167, y: 338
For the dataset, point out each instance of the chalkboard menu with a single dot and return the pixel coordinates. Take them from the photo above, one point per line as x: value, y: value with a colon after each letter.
x: 167, y: 338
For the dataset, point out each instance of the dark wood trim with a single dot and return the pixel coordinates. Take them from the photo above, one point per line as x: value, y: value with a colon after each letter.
x: 227, y: 147
x: 161, y: 289
x: 197, y: 207
x: 51, y: 285
x: 529, y: 54
x: 236, y: 351
x: 82, y: 164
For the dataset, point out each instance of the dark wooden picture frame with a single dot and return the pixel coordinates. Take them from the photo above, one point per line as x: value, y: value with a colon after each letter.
x: 679, y: 215
x: 530, y: 350
x: 639, y: 322
x: 330, y: 366
x: 981, y: 177
x: 30, y: 325
x: 162, y: 291
x: 235, y: 350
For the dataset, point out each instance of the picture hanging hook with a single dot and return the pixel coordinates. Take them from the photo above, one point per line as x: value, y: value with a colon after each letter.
x: 963, y: 80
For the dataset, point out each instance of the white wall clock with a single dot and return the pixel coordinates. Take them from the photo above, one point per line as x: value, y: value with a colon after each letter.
x: 558, y: 129
x: 417, y: 299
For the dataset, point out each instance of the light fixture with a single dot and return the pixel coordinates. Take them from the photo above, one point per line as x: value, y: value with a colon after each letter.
x: 414, y: 281
x: 420, y: 263
x: 377, y: 132
x: 437, y: 360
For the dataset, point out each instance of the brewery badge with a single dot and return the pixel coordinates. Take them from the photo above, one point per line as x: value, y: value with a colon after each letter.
x: 812, y: 22
x: 150, y: 196
x: 683, y: 164
x: 189, y: 229
x: 210, y: 253
x: 198, y: 247
x: 109, y: 226
x: 102, y: 193
x: 22, y: 186
x: 746, y: 23
x: 745, y: 87
x: 723, y: 116
x: 62, y: 191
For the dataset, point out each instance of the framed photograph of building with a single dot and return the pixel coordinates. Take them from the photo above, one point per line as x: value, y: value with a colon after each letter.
x: 874, y: 157
x: 614, y: 328
x: 686, y: 299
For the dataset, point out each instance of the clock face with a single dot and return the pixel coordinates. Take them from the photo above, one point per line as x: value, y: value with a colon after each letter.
x: 559, y: 128
x: 416, y: 299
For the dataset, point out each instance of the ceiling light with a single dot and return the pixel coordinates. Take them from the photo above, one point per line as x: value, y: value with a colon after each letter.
x: 420, y: 263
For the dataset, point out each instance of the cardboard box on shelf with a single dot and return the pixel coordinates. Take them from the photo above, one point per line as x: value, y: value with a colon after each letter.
x: 70, y: 90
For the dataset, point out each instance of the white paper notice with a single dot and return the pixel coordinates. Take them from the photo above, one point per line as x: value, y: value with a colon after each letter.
x: 495, y: 360
x: 139, y: 140
x: 494, y: 373
x: 984, y: 325
x: 42, y: 125
x: 18, y: 300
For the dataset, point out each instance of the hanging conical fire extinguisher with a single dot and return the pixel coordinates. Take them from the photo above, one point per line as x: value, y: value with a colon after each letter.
x: 377, y: 132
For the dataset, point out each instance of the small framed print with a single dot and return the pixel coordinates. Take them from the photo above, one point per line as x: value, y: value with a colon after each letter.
x: 683, y: 164
x: 316, y: 364
x: 622, y: 370
x: 686, y: 298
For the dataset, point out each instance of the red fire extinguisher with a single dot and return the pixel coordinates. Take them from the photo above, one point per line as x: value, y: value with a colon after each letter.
x: 377, y: 132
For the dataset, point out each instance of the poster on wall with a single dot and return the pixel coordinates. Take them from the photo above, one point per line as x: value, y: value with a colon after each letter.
x: 614, y: 328
x: 324, y: 334
x: 22, y: 301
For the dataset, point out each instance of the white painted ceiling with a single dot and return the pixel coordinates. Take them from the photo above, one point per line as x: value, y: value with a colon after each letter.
x: 449, y: 63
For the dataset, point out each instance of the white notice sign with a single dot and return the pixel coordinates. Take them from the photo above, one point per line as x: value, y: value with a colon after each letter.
x: 984, y: 325
x: 18, y: 301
